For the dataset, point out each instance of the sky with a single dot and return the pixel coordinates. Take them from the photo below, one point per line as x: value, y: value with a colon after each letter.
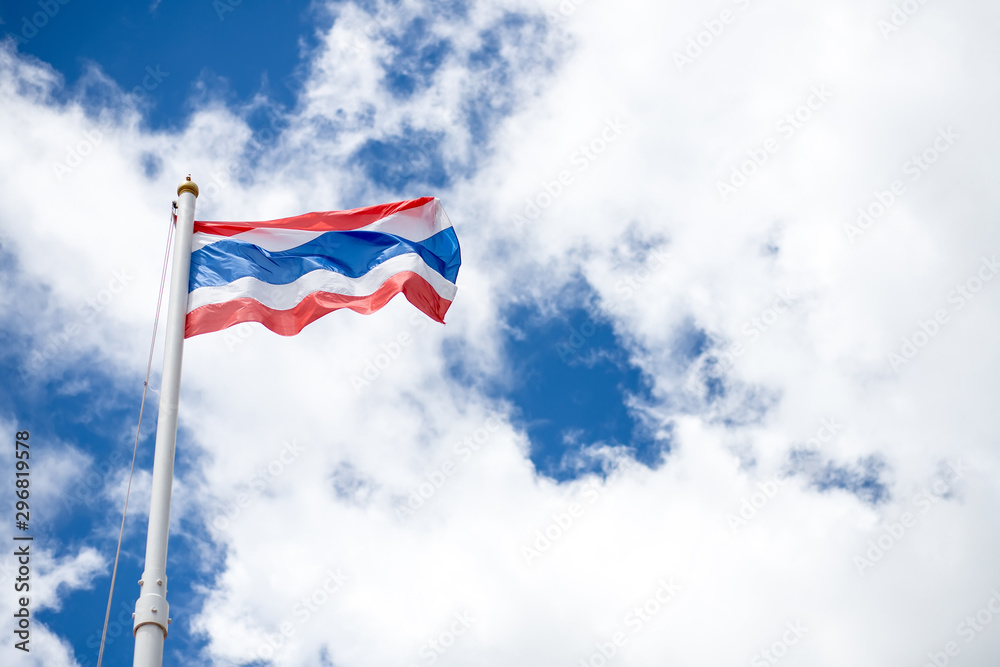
x: 718, y: 387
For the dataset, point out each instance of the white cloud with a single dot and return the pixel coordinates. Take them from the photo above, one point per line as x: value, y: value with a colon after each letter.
x: 673, y: 136
x: 49, y: 579
x: 48, y: 575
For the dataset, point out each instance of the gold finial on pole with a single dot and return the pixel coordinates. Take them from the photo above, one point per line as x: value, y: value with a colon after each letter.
x: 188, y: 186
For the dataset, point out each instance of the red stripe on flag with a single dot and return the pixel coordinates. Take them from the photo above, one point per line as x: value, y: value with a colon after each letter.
x: 329, y: 221
x: 219, y: 316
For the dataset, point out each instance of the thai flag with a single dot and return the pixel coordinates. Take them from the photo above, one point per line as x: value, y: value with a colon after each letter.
x: 287, y: 273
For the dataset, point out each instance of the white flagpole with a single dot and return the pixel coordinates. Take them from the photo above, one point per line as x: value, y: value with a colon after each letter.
x: 151, y: 609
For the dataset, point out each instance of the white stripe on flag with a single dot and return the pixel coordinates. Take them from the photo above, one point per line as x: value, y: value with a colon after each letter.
x: 285, y: 297
x: 414, y: 224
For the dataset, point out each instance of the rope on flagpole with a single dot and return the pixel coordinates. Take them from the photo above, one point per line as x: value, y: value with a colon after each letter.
x: 142, y: 405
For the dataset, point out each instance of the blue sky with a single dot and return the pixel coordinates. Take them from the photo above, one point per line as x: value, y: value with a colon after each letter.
x: 568, y: 399
x: 175, y: 54
x: 228, y: 52
x: 212, y: 54
x: 701, y: 384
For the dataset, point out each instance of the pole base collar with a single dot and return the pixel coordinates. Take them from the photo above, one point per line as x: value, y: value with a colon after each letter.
x: 152, y: 607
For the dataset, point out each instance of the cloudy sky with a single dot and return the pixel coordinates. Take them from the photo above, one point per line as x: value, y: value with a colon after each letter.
x: 719, y: 386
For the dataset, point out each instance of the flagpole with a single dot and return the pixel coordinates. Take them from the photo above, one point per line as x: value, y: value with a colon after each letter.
x: 152, y: 617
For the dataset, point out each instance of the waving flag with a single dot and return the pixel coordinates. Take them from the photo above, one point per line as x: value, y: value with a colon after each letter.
x: 287, y: 273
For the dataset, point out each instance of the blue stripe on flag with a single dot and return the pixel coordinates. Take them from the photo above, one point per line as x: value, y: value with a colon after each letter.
x: 352, y: 254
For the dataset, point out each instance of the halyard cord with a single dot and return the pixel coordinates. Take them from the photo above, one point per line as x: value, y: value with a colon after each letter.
x: 142, y: 404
